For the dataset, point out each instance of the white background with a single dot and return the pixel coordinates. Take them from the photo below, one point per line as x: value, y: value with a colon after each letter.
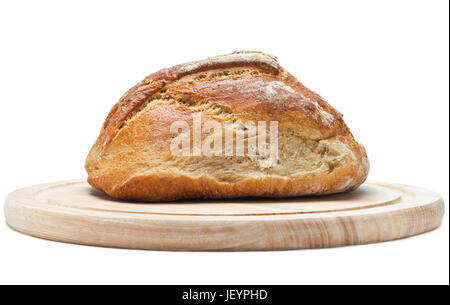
x: 384, y: 64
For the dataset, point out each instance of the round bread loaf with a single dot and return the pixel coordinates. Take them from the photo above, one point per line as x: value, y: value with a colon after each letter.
x: 236, y: 125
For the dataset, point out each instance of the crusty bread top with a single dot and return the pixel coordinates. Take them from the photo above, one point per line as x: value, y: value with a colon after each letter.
x: 317, y: 118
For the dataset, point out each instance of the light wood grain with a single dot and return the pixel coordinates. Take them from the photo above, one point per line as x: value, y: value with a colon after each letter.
x: 71, y: 211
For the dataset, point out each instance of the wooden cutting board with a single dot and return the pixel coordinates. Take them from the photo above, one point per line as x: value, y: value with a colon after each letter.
x: 71, y: 211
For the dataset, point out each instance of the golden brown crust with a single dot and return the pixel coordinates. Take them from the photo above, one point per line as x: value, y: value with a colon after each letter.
x: 131, y: 157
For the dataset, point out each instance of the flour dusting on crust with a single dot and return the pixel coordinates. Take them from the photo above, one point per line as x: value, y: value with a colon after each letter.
x: 324, y: 116
x: 241, y: 56
x: 270, y: 90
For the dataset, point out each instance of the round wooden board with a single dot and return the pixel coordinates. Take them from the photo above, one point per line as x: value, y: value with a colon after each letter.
x: 71, y: 211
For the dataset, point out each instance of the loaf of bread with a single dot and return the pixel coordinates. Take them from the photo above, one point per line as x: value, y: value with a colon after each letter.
x: 236, y: 125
